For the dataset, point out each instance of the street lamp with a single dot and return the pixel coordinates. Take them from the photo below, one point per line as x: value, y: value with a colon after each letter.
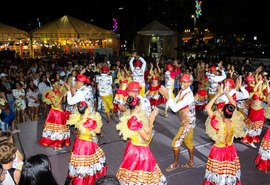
x: 194, y: 21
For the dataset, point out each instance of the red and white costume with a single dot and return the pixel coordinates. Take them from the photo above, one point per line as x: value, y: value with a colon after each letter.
x: 56, y: 133
x: 121, y: 94
x: 152, y: 93
x: 201, y: 97
x: 262, y: 160
x: 255, y: 120
x: 87, y: 161
x: 139, y: 165
x: 223, y: 166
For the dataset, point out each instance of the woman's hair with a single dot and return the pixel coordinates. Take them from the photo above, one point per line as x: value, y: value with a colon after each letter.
x: 46, y: 82
x: 37, y: 171
x: 132, y: 102
x: 5, y: 136
x: 82, y: 106
x: 228, y: 110
x: 34, y: 88
x: 107, y: 180
x: 7, y: 151
x: 53, y: 80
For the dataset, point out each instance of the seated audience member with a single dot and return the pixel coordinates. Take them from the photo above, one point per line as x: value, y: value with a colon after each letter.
x: 18, y: 161
x: 37, y: 171
x: 7, y: 155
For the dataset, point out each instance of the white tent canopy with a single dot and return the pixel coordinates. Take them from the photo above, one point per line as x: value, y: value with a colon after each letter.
x: 155, y: 28
x: 9, y: 33
x: 70, y: 27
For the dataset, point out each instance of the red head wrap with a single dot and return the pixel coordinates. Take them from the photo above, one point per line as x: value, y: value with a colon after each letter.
x: 231, y: 82
x: 213, y: 68
x: 138, y: 63
x: 104, y: 69
x: 82, y: 78
x: 82, y: 103
x: 168, y: 66
x: 134, y: 87
x: 250, y: 78
x: 186, y: 78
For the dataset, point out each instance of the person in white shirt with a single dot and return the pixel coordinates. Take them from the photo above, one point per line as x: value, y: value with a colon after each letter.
x: 184, y: 104
x: 82, y: 92
x: 104, y: 84
x: 43, y: 86
x: 134, y: 89
x: 138, y: 69
x: 214, y: 79
x: 171, y: 72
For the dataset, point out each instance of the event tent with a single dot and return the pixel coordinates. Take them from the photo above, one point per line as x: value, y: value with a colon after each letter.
x: 71, y: 35
x: 11, y: 34
x: 155, y: 28
x: 156, y: 39
x: 68, y: 27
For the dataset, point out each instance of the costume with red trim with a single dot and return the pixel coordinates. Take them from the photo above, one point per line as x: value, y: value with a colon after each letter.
x: 121, y: 94
x: 170, y: 74
x: 201, y: 97
x: 237, y: 117
x: 152, y: 93
x: 223, y: 166
x: 184, y: 105
x: 55, y: 134
x: 139, y: 165
x: 213, y: 81
x: 87, y: 161
x: 255, y: 120
x: 262, y: 160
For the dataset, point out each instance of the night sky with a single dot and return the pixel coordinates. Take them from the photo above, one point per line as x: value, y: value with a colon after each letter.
x: 241, y: 16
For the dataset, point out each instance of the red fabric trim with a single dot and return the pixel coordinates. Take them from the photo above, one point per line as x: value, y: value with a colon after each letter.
x: 134, y: 124
x: 90, y: 123
x: 214, y: 122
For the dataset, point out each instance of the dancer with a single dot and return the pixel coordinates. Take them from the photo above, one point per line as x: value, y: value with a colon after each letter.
x: 81, y: 92
x: 255, y: 119
x: 154, y: 73
x: 55, y: 134
x: 138, y: 69
x: 152, y: 93
x: 139, y: 165
x: 184, y: 104
x: 223, y: 166
x: 104, y: 85
x: 121, y: 95
x: 133, y: 90
x: 214, y: 79
x: 87, y: 161
x: 262, y: 160
x: 201, y: 97
x: 170, y: 74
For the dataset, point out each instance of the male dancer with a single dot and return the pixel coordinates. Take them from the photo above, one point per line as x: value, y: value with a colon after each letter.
x: 170, y: 74
x: 104, y: 84
x: 134, y: 89
x: 184, y: 104
x: 214, y: 79
x: 138, y: 69
x: 83, y: 92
